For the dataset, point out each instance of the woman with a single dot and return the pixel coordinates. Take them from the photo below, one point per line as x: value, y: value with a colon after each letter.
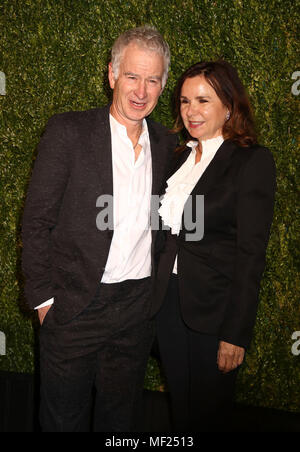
x: 206, y: 293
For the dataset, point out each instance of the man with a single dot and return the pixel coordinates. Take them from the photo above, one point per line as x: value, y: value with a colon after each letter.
x: 90, y: 284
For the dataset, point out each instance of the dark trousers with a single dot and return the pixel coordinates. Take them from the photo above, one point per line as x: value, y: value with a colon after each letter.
x: 105, y: 348
x: 201, y: 396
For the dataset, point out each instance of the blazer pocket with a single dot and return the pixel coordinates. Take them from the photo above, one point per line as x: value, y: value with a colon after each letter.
x: 64, y: 269
x: 223, y: 187
x: 63, y: 260
x: 223, y: 259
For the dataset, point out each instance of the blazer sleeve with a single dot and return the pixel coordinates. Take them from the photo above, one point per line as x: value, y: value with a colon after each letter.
x: 255, y: 206
x: 42, y: 206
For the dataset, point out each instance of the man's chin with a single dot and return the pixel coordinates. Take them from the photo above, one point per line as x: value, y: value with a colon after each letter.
x: 137, y: 117
x: 137, y: 114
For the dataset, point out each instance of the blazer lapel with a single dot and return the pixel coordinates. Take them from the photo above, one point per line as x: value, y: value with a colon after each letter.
x: 155, y: 157
x: 101, y: 147
x: 213, y: 173
x: 215, y: 169
x: 178, y: 160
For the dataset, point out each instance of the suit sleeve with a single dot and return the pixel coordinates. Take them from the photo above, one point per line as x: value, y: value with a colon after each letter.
x: 42, y: 206
x: 255, y: 205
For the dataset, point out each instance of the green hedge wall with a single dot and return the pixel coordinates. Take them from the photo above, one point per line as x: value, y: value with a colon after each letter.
x: 54, y: 55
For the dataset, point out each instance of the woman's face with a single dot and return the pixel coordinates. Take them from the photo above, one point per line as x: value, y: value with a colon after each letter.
x: 202, y: 111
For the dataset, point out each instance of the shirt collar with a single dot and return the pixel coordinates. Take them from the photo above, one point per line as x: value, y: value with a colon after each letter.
x: 208, y: 146
x: 121, y: 130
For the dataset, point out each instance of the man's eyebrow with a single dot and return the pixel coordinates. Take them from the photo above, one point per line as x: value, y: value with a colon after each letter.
x: 130, y: 73
x: 157, y: 77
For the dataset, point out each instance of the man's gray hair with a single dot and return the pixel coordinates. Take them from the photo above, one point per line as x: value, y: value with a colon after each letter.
x: 146, y: 37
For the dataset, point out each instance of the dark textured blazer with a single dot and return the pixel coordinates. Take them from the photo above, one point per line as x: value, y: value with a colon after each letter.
x: 219, y: 276
x: 64, y: 253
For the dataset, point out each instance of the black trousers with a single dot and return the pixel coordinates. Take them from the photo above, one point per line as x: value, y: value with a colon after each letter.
x: 201, y: 395
x: 105, y: 348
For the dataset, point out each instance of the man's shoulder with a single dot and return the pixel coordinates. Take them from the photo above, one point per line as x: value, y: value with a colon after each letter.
x: 80, y: 117
x: 157, y: 126
x: 160, y: 131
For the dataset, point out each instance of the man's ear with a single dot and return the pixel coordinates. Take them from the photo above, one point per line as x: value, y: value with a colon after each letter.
x: 163, y: 87
x: 111, y: 76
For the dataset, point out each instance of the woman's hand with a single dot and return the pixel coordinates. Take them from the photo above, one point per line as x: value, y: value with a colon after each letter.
x: 229, y: 356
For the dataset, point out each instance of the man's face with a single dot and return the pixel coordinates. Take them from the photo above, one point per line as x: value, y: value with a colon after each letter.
x: 139, y: 85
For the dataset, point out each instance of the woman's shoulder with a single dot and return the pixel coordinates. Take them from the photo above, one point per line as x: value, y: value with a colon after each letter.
x: 256, y: 163
x: 255, y: 153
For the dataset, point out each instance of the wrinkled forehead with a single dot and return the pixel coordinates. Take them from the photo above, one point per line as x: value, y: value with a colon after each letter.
x: 138, y: 49
x: 137, y: 58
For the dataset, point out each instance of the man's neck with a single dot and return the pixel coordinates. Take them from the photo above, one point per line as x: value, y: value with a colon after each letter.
x: 133, y: 128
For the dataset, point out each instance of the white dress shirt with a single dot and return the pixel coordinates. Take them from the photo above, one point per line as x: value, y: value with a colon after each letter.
x: 130, y: 251
x: 181, y: 184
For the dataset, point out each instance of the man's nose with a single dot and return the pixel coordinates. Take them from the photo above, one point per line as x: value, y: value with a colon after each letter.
x: 141, y: 90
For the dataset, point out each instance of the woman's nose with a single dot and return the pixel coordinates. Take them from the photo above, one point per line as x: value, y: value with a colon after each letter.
x: 191, y: 110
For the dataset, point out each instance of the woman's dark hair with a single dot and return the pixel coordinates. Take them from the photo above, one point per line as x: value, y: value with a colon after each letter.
x: 225, y: 81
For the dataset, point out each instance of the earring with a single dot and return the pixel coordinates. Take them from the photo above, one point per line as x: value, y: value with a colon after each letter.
x: 227, y: 115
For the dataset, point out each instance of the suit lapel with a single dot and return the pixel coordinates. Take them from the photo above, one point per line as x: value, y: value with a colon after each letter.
x: 179, y: 160
x: 155, y: 157
x: 101, y: 147
x: 215, y: 169
x: 213, y: 173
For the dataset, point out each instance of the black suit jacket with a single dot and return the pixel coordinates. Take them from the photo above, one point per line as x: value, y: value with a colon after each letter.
x: 219, y: 276
x: 64, y: 253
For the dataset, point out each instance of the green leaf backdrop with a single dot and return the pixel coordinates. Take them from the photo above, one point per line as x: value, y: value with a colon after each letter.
x: 54, y: 54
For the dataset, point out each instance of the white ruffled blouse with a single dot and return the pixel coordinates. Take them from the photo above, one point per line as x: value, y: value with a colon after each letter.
x: 181, y: 184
